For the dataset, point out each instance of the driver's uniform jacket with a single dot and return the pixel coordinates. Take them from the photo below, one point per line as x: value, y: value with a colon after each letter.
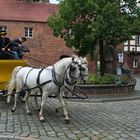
x: 4, y: 42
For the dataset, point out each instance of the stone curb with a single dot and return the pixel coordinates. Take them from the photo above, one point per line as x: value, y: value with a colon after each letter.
x: 105, y: 100
x: 97, y: 99
x: 15, y: 138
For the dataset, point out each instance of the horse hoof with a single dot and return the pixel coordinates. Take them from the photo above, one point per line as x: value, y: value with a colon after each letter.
x: 29, y: 113
x: 56, y: 110
x: 13, y: 110
x: 8, y: 101
x: 67, y: 121
x: 38, y: 109
x: 42, y: 120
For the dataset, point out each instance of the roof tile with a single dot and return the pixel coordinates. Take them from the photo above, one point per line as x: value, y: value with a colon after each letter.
x: 26, y: 11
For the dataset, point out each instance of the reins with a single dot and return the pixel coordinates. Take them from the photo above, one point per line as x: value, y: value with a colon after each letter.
x: 41, y: 62
x: 64, y: 80
x: 39, y: 85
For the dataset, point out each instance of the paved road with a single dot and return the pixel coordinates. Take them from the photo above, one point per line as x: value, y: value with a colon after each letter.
x: 119, y: 120
x: 89, y: 121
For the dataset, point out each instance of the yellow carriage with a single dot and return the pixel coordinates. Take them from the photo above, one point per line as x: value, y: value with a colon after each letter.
x: 6, y: 68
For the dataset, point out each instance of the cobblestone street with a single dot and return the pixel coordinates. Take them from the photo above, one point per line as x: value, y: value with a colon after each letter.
x: 92, y: 119
x: 88, y: 121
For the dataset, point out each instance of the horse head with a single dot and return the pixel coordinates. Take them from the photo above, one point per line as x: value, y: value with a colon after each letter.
x: 80, y: 65
x: 83, y: 69
x: 74, y: 68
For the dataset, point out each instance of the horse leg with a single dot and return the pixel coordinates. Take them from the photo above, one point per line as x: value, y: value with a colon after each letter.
x: 60, y: 98
x: 9, y: 96
x: 58, y: 109
x: 44, y: 98
x: 65, y: 99
x: 26, y: 102
x: 15, y: 103
x: 10, y: 90
x: 13, y: 83
x: 18, y: 90
x: 36, y: 102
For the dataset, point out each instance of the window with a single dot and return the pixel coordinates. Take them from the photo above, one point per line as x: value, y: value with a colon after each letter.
x: 137, y: 40
x: 28, y: 32
x: 3, y: 28
x: 121, y: 57
x: 135, y: 63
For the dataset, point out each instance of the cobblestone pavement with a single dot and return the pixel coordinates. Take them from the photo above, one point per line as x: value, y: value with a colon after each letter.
x: 89, y: 120
x: 118, y: 120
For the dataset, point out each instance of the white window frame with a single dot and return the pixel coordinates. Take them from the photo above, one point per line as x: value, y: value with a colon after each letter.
x: 137, y: 40
x: 135, y: 63
x: 28, y: 32
x: 121, y: 57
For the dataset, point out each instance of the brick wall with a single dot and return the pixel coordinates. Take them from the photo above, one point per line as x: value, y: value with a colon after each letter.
x: 45, y: 49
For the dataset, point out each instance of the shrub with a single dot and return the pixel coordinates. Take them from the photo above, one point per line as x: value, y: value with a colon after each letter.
x: 124, y: 79
x: 107, y: 79
x: 97, y: 79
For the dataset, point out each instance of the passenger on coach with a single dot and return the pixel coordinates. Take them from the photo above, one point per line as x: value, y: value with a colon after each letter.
x: 5, y: 47
x: 18, y: 47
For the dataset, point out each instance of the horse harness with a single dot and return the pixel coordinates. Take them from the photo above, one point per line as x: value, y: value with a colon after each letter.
x: 39, y: 84
x: 37, y: 81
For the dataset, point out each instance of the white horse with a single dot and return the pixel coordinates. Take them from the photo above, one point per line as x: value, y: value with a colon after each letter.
x: 69, y: 82
x: 48, y: 81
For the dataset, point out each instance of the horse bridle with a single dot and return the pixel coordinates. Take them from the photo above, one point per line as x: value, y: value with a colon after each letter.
x: 73, y: 79
x: 71, y: 67
x: 82, y: 69
x: 70, y: 82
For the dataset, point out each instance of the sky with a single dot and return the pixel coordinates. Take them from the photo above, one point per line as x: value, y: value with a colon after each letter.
x: 54, y: 1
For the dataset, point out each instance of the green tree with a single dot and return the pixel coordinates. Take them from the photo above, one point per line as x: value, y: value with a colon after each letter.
x: 86, y: 24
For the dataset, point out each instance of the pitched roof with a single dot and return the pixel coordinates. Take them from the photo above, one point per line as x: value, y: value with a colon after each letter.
x: 26, y: 11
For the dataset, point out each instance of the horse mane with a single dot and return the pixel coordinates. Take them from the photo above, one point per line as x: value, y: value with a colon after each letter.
x: 64, y: 56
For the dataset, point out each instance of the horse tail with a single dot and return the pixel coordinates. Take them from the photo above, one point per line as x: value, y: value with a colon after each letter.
x: 12, y: 83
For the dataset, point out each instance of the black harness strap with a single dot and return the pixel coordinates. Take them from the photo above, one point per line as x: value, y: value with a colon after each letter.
x: 68, y: 81
x: 25, y: 84
x: 28, y: 89
x: 18, y: 69
x: 68, y: 89
x: 38, y: 80
x: 55, y: 80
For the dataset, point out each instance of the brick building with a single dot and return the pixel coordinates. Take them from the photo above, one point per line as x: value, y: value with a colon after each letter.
x: 131, y: 50
x: 27, y: 19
